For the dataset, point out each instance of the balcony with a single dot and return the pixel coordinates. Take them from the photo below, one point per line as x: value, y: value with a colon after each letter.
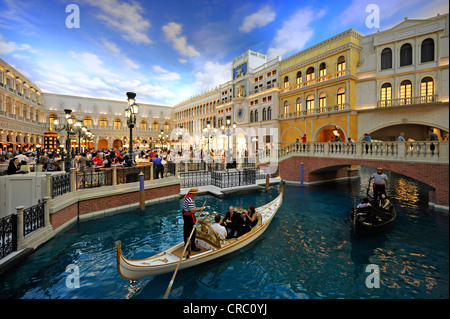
x: 315, y: 111
x: 408, y: 101
x: 321, y: 79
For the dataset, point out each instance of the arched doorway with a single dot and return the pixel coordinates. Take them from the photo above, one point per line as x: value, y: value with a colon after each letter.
x: 290, y: 135
x: 329, y: 132
x: 103, y: 144
x: 117, y: 144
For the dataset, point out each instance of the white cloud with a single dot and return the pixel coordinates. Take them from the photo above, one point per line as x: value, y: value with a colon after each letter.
x: 212, y: 75
x: 112, y: 47
x: 261, y: 18
x: 10, y: 47
x: 172, y: 32
x: 182, y: 61
x: 165, y: 75
x: 124, y: 17
x: 295, y: 33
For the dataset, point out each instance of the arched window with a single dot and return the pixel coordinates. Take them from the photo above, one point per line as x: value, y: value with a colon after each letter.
x: 405, y: 92
x: 251, y: 116
x: 143, y: 126
x: 322, y: 69
x: 156, y: 126
x: 406, y: 54
x: 310, y: 74
x: 426, y: 90
x: 322, y: 101
x: 386, y: 59
x: 256, y: 116
x: 386, y: 94
x: 286, y: 107
x: 298, y: 104
x: 310, y: 104
x: 117, y: 124
x: 264, y: 114
x: 298, y: 78
x: 103, y: 123
x: 341, y: 64
x: 87, y: 121
x: 427, y: 50
x: 340, y: 97
x: 286, y: 82
x: 269, y: 113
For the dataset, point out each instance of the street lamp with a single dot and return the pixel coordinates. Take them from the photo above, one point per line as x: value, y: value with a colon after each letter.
x: 69, y: 127
x: 130, y: 114
x: 228, y: 130
x: 209, y: 132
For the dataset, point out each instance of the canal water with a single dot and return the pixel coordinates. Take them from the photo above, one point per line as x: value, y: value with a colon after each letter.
x: 309, y: 251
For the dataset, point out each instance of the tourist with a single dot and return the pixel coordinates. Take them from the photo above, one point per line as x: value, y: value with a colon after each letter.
x: 432, y: 137
x: 51, y: 165
x: 159, y: 166
x: 350, y: 140
x: 337, y: 139
x: 250, y: 220
x: 367, y: 139
x: 107, y: 162
x: 82, y: 162
x: 401, y: 137
x: 232, y: 221
x: 365, y: 203
x: 189, y: 218
x: 98, y: 161
x: 219, y: 229
x: 14, y: 166
x: 380, y: 182
x: 384, y: 202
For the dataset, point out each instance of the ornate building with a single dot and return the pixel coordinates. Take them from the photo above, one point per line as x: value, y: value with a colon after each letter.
x: 403, y: 81
x: 21, y: 110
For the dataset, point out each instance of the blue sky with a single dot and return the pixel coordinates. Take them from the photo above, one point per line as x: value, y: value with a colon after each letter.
x: 168, y: 51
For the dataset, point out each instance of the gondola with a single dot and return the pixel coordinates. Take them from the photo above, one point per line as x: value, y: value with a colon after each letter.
x: 211, y: 247
x: 371, y: 220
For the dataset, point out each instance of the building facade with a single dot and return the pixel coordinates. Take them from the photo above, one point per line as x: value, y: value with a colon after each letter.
x: 403, y: 81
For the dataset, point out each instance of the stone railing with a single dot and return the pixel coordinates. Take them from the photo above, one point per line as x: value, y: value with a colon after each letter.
x: 418, y: 151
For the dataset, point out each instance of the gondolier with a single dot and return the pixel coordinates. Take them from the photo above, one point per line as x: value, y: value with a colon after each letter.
x: 380, y: 182
x: 189, y: 218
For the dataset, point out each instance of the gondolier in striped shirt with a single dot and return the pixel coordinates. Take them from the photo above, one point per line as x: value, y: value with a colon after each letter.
x: 189, y: 218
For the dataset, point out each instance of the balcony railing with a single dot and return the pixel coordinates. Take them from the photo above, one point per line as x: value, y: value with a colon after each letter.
x: 318, y: 110
x: 408, y: 101
x: 317, y: 80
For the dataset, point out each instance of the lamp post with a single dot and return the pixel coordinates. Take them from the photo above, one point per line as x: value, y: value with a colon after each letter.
x: 130, y: 114
x: 209, y: 132
x: 68, y: 126
x: 228, y: 130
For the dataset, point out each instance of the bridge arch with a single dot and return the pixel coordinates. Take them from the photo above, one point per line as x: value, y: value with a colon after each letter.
x: 324, y: 133
x: 294, y: 133
x: 417, y: 130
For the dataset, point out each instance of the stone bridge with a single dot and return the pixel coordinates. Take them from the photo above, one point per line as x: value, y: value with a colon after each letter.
x: 427, y: 162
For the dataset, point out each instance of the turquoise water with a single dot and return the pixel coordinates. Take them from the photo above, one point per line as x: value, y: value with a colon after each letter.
x: 308, y: 251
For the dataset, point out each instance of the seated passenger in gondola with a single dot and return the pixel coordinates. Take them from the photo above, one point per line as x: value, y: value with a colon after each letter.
x: 250, y: 220
x: 365, y: 203
x: 385, y: 204
x: 231, y: 222
x: 219, y: 229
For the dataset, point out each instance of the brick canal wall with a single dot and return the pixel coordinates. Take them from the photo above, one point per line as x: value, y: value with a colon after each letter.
x: 317, y: 169
x: 107, y: 199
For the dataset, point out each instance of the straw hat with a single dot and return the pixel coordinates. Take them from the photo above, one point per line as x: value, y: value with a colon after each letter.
x: 193, y: 190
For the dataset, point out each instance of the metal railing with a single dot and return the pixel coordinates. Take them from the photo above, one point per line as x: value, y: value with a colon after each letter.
x: 33, y: 218
x: 8, y: 235
x: 61, y: 184
x: 93, y: 178
x: 221, y: 179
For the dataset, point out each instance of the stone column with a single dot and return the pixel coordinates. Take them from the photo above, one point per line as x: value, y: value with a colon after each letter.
x: 20, y: 236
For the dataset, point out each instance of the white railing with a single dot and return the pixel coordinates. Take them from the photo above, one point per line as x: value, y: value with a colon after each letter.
x: 422, y: 151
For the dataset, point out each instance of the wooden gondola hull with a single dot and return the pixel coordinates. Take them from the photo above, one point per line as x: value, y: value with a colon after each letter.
x: 363, y: 229
x: 167, y: 261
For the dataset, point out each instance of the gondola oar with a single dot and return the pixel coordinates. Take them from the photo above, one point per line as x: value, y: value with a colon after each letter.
x: 182, y: 254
